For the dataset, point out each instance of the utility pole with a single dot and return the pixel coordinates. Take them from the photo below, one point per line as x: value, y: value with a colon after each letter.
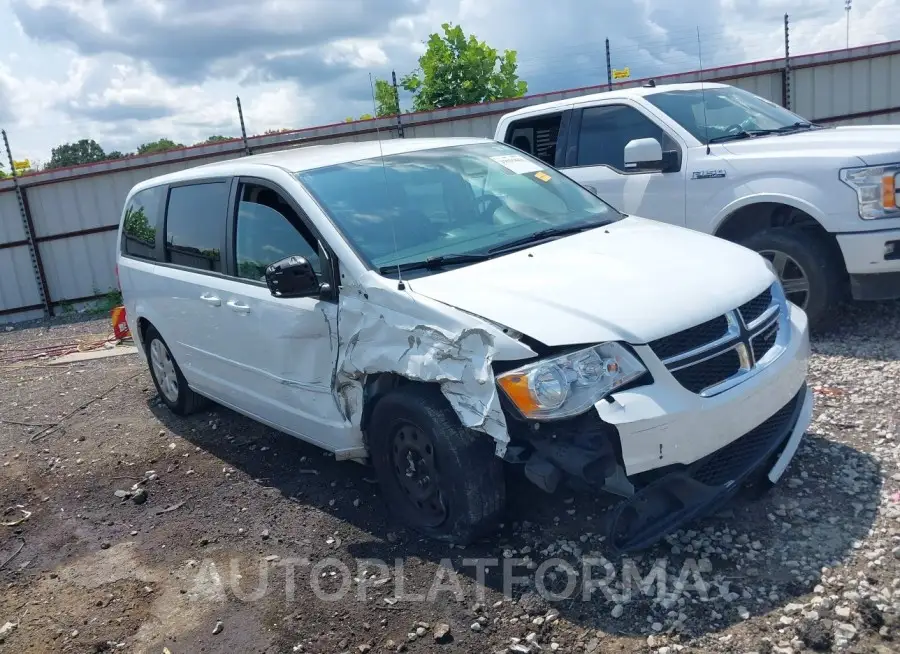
x: 786, y: 81
x: 608, y: 68
x: 243, y: 129
x: 848, y: 5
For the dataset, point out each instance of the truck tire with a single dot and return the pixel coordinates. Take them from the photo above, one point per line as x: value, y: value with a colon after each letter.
x: 437, y: 477
x: 167, y: 377
x: 810, y: 274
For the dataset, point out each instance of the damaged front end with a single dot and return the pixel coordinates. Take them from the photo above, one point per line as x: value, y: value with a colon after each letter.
x: 585, y: 454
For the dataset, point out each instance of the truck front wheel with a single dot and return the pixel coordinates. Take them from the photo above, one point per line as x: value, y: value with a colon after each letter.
x: 806, y: 266
x: 437, y: 476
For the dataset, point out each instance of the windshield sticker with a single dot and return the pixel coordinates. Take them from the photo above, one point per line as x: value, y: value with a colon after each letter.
x: 541, y: 175
x: 517, y: 164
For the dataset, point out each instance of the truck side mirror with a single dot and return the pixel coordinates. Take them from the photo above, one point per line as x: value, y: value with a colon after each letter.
x: 292, y: 277
x: 643, y: 154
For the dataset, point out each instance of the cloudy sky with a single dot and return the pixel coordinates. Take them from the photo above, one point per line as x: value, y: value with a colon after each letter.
x: 125, y: 72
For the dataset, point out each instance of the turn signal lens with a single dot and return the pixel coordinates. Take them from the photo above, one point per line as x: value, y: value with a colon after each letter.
x: 889, y: 191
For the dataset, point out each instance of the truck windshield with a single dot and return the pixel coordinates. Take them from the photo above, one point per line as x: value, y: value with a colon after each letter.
x: 729, y: 112
x: 429, y: 206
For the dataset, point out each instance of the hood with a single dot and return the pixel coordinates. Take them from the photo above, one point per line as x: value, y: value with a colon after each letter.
x: 874, y: 145
x: 634, y: 280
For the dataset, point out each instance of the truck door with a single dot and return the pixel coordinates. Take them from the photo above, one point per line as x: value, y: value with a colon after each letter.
x: 595, y: 157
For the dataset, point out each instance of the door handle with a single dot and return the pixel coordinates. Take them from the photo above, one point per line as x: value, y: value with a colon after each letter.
x: 209, y: 298
x: 238, y: 306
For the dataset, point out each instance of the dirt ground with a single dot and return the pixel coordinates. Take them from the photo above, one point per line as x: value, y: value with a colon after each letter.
x: 125, y: 528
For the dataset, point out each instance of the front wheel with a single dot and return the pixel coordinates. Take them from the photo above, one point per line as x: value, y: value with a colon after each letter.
x: 805, y: 264
x: 437, y: 476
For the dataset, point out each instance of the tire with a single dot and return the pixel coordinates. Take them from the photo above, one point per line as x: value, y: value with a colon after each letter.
x: 174, y: 393
x: 802, y: 254
x: 462, y: 492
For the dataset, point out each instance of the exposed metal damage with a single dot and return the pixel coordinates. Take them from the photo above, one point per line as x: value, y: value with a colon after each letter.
x: 374, y: 339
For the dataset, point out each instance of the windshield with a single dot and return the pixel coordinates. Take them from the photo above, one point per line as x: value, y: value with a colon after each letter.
x: 728, y: 110
x: 464, y: 199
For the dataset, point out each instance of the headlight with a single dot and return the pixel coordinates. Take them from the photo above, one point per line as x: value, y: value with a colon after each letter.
x: 876, y: 189
x: 570, y: 384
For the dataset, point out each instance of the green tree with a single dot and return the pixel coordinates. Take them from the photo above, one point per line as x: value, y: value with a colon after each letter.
x: 115, y: 154
x: 386, y: 101
x: 72, y: 154
x: 137, y: 225
x: 2, y: 172
x: 215, y: 138
x: 456, y: 70
x: 162, y: 145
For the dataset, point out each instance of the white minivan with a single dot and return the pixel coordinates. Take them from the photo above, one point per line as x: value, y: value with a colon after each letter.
x: 442, y: 307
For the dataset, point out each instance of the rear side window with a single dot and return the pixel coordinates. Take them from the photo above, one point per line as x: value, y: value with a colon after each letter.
x: 139, y: 224
x: 195, y: 225
x: 536, y: 136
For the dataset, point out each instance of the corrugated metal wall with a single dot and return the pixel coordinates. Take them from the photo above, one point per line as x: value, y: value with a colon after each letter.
x: 75, y: 211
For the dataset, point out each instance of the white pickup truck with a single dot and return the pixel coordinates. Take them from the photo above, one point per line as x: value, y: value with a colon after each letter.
x: 821, y: 203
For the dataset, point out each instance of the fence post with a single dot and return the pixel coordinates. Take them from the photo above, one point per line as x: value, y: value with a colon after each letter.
x: 397, y: 98
x: 608, y: 68
x: 786, y: 73
x: 243, y: 129
x: 36, y: 264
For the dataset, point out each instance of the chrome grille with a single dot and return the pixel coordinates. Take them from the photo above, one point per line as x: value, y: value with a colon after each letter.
x: 753, y: 309
x: 709, y: 372
x: 690, y: 339
x: 712, y: 356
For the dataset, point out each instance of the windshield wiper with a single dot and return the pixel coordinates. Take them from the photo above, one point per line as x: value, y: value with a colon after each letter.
x: 743, y: 134
x: 796, y: 126
x: 544, y: 234
x: 434, y: 262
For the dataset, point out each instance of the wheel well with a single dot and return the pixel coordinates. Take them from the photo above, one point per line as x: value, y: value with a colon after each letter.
x: 376, y: 387
x: 142, y: 325
x: 754, y: 218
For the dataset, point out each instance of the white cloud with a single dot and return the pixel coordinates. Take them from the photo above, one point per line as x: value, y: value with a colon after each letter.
x: 132, y: 71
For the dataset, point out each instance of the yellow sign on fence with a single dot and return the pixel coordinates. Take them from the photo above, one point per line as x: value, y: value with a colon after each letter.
x: 22, y: 165
x: 621, y: 73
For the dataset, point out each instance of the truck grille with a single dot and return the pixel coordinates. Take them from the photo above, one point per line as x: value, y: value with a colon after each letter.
x: 725, y: 347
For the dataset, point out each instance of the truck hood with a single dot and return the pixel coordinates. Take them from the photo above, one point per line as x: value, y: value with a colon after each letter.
x: 634, y: 280
x: 874, y: 145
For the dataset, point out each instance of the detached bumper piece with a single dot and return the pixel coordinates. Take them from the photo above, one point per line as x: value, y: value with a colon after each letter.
x: 681, y: 496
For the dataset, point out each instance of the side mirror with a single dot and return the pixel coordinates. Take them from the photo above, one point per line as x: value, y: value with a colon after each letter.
x: 643, y: 154
x: 292, y: 277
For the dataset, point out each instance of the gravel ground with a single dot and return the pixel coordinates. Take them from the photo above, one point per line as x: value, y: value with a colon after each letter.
x: 130, y: 529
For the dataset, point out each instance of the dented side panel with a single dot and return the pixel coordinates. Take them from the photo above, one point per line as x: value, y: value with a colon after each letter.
x: 391, y: 332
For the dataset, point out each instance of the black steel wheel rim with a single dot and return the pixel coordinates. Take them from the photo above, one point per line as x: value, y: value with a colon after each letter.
x: 793, y: 277
x: 417, y: 474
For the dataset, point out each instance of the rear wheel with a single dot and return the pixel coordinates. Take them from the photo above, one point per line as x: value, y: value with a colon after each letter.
x: 805, y: 264
x: 437, y: 476
x: 167, y: 377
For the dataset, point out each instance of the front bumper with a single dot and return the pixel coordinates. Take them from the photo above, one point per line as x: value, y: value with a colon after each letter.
x: 873, y: 261
x: 665, y: 424
x: 679, y: 497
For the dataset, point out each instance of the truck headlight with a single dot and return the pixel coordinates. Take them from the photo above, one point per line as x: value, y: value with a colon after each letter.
x: 570, y: 384
x: 876, y: 189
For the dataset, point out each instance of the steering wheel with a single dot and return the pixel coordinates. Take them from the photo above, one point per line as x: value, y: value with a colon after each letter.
x: 490, y: 204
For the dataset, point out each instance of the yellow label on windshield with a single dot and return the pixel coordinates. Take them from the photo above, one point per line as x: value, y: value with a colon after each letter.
x: 541, y: 175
